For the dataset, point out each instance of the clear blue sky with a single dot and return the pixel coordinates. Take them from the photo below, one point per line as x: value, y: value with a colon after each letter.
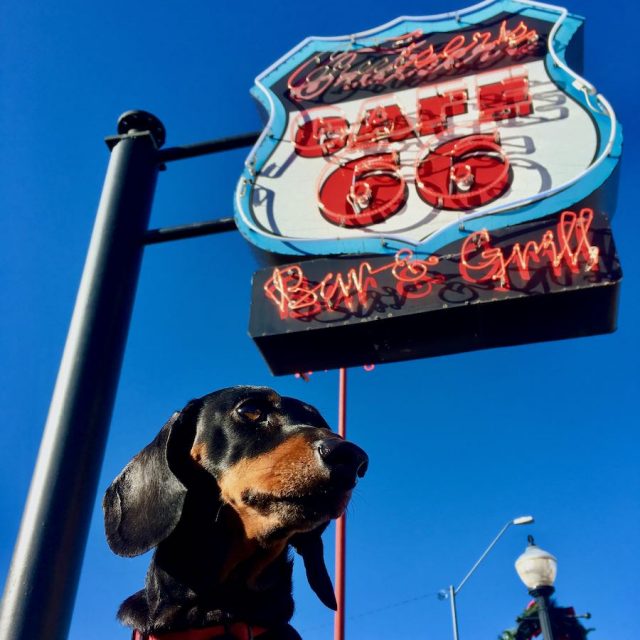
x: 458, y: 445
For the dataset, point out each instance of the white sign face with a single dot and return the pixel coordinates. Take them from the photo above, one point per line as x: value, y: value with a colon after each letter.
x: 420, y: 132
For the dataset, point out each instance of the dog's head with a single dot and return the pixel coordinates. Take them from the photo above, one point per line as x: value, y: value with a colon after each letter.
x: 272, y: 459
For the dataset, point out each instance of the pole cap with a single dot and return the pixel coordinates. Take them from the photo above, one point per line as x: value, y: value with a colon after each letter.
x: 138, y: 120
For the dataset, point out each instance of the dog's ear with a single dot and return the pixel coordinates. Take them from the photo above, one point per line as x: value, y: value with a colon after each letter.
x: 144, y: 503
x: 309, y: 546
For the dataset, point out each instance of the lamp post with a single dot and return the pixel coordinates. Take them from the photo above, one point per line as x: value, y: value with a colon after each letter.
x: 537, y: 568
x: 452, y: 591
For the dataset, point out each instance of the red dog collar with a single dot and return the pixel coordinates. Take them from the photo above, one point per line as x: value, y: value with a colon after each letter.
x: 237, y: 630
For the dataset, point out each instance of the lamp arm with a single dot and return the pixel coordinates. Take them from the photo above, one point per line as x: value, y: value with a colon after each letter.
x: 483, y: 556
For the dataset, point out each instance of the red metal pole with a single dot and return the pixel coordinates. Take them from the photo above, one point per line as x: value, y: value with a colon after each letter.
x: 341, y: 523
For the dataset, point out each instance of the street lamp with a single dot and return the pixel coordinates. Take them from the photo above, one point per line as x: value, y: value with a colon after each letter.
x: 537, y: 568
x: 453, y: 592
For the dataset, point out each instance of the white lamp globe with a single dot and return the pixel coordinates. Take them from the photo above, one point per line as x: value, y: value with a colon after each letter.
x: 536, y: 567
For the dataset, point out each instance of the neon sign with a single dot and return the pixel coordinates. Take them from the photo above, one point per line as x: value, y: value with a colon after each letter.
x: 458, y: 174
x: 541, y: 280
x: 408, y: 58
x: 297, y: 297
x: 567, y: 246
x: 445, y: 182
x: 417, y: 132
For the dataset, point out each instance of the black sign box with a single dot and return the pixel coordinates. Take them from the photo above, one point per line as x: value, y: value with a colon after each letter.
x: 549, y: 279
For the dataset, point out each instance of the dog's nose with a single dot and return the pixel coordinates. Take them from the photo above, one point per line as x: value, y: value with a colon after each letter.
x: 341, y: 455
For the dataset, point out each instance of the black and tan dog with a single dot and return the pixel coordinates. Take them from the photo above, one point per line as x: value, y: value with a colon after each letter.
x: 229, y: 483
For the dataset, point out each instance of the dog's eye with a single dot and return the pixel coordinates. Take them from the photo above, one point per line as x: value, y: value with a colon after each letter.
x: 252, y: 410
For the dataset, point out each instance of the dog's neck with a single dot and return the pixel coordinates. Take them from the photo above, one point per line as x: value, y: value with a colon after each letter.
x: 207, y: 572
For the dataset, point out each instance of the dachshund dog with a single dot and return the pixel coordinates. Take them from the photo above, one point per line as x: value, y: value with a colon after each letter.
x: 229, y: 484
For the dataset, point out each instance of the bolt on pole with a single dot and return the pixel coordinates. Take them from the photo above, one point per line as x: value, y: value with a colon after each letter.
x: 42, y: 581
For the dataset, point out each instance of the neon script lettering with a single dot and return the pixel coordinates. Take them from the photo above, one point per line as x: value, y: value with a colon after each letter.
x: 566, y: 246
x: 408, y: 59
x: 298, y: 297
x: 482, y: 262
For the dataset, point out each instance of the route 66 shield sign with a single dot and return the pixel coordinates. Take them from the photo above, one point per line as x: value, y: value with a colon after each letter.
x: 424, y: 130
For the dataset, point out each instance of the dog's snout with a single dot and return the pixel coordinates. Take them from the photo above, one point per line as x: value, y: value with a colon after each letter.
x: 341, y: 454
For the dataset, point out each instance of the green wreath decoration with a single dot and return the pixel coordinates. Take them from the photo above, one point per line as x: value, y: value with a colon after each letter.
x: 564, y: 623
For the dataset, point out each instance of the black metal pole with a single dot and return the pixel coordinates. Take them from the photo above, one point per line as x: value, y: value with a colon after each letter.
x: 42, y: 581
x: 541, y: 595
